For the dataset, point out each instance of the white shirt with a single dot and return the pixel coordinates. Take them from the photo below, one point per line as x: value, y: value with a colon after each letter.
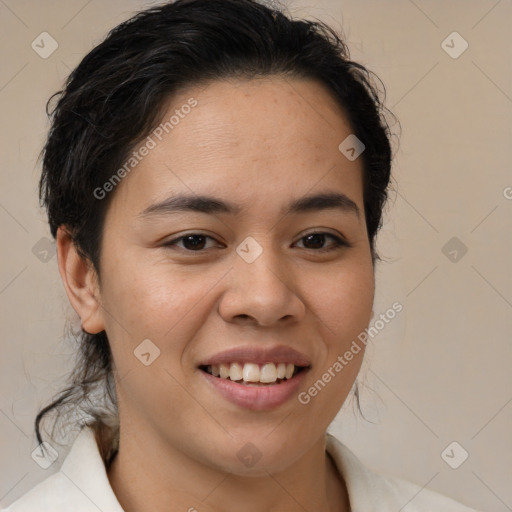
x: 82, y: 485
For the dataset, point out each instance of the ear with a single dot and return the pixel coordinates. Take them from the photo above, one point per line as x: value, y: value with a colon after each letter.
x: 80, y: 282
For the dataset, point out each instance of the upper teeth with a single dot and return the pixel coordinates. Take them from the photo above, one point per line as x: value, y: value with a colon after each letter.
x: 252, y: 372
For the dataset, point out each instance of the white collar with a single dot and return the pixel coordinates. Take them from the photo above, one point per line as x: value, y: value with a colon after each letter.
x: 85, y: 467
x: 83, y: 482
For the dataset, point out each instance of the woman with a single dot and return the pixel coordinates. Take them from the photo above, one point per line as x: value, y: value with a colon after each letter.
x: 214, y: 177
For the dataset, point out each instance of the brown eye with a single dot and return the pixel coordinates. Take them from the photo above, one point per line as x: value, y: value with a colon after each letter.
x: 315, y: 241
x: 193, y: 242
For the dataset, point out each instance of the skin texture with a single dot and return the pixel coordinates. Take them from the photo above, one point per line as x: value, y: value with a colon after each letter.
x: 258, y: 143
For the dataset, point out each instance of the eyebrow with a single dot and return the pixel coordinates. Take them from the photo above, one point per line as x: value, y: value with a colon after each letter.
x: 211, y: 205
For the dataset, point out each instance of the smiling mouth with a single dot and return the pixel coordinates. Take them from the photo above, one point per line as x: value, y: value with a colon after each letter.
x: 252, y: 374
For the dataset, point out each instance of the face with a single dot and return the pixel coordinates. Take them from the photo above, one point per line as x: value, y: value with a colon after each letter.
x: 254, y: 273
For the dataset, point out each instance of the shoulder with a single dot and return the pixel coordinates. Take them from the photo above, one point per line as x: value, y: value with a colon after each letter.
x: 374, y: 492
x: 81, y: 484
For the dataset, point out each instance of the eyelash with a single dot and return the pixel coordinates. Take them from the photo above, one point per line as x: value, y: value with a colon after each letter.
x: 338, y: 242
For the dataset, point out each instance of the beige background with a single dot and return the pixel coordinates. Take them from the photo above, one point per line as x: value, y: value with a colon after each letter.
x: 440, y: 372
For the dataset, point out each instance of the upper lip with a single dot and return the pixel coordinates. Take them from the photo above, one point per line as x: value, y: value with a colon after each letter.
x: 258, y: 355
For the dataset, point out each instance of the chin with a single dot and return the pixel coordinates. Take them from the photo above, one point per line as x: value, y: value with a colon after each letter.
x: 256, y: 455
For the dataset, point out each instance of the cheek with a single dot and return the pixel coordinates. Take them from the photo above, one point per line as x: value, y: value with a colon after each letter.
x: 344, y: 306
x: 343, y: 300
x: 155, y: 301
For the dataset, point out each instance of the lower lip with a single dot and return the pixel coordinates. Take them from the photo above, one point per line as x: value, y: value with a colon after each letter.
x: 257, y: 398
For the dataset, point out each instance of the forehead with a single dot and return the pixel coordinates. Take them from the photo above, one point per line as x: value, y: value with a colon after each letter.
x: 257, y: 138
x: 281, y: 111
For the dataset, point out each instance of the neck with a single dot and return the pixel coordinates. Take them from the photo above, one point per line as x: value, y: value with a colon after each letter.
x: 148, y: 475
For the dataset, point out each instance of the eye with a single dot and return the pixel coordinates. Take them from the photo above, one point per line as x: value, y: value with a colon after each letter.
x: 192, y: 242
x: 197, y: 242
x: 316, y: 240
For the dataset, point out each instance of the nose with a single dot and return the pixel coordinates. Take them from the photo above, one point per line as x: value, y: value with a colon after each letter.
x: 263, y: 292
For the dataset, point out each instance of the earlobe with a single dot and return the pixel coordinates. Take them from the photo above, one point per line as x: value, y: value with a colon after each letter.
x: 80, y: 282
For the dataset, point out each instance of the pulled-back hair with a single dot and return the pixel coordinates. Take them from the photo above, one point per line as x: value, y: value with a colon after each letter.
x: 117, y: 95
